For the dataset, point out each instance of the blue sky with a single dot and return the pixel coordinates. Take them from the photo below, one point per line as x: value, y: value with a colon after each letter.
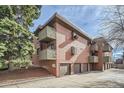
x: 85, y: 17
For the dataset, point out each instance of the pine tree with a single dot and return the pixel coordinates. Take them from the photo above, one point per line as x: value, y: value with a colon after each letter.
x: 15, y: 38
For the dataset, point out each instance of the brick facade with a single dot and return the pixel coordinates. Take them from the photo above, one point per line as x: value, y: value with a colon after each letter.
x: 66, y: 62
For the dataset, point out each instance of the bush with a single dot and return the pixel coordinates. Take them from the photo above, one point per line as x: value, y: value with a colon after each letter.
x: 21, y: 63
x: 3, y: 65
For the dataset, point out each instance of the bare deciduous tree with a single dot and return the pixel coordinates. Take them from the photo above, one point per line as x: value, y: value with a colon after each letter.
x: 113, y: 25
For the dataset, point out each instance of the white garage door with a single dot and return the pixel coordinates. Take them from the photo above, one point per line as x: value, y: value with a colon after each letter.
x: 77, y: 68
x: 64, y: 69
x: 85, y: 67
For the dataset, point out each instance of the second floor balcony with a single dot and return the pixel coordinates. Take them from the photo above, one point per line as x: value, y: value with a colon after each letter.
x: 47, y: 34
x: 47, y: 54
x: 107, y: 48
x: 93, y: 59
x: 107, y: 59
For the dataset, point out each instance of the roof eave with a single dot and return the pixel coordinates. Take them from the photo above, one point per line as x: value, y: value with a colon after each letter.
x: 56, y: 15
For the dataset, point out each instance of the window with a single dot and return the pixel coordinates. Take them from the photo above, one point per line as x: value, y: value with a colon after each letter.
x: 73, y: 50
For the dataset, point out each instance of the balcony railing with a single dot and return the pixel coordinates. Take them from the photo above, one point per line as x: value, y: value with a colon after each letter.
x: 47, y: 54
x: 94, y: 47
x: 47, y: 34
x: 106, y: 48
x: 107, y: 59
x: 93, y: 59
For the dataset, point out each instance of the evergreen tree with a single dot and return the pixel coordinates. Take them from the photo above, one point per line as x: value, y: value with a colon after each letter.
x: 15, y: 38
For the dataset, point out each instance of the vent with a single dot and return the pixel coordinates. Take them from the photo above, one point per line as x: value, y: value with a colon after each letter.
x: 74, y: 35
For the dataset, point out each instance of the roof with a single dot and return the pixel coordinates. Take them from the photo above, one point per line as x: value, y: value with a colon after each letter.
x: 56, y: 15
x: 103, y: 40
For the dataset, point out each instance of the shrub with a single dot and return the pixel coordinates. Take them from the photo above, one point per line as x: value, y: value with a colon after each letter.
x: 21, y: 63
x: 3, y: 65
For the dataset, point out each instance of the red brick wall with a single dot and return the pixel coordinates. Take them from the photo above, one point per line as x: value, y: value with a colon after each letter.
x: 49, y: 65
x: 64, y: 43
x: 63, y: 47
x: 99, y: 65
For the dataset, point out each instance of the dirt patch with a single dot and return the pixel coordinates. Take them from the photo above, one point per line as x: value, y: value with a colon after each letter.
x: 23, y: 74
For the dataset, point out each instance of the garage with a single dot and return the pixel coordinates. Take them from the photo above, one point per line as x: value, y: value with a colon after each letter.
x: 93, y: 66
x: 65, y: 69
x: 77, y: 68
x: 85, y: 67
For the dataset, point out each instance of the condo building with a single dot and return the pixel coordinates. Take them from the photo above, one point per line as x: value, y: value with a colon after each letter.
x: 65, y: 49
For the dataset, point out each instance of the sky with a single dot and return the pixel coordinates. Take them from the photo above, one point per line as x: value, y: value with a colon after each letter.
x: 87, y: 17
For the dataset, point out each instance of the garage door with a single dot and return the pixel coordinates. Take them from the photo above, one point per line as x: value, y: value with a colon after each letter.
x: 105, y: 66
x: 64, y: 69
x: 93, y: 67
x: 77, y: 68
x: 85, y: 67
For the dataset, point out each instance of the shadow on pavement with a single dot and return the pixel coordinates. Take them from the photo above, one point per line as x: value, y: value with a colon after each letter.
x: 118, y: 71
x: 104, y: 84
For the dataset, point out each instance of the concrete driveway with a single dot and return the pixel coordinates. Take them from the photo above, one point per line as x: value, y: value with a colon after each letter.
x: 112, y: 78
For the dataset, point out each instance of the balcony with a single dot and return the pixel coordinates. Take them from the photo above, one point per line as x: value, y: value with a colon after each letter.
x: 47, y: 54
x: 94, y: 47
x: 107, y: 48
x: 47, y: 34
x: 107, y: 59
x: 93, y: 59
